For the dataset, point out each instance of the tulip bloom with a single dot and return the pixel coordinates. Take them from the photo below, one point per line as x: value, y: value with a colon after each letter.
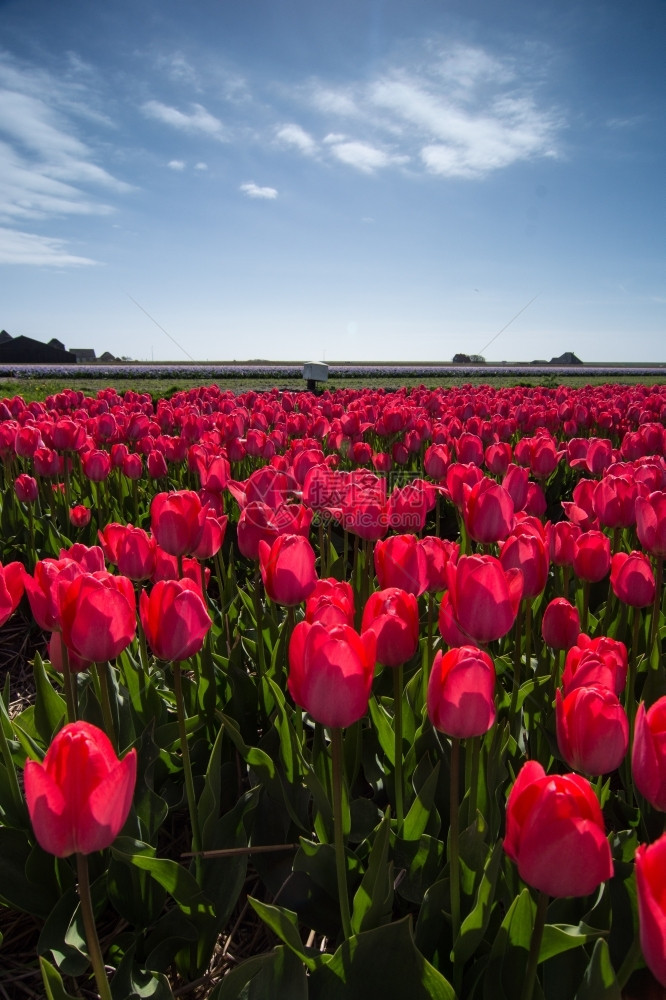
x: 393, y: 616
x: 400, y: 561
x: 651, y: 523
x: 79, y: 515
x: 650, y: 866
x: 80, y: 795
x: 560, y: 625
x: 131, y: 549
x: 603, y: 661
x: 562, y: 541
x: 177, y: 521
x: 96, y: 465
x: 527, y: 551
x: 288, y: 569
x: 174, y: 618
x: 42, y: 589
x: 11, y: 589
x: 632, y: 579
x: 488, y: 511
x: 461, y: 692
x: 484, y: 597
x: 331, y: 671
x: 331, y: 603
x: 555, y: 833
x: 438, y: 552
x: 648, y: 759
x: 449, y: 628
x: 592, y: 729
x: 98, y: 614
x: 25, y: 487
x: 614, y: 501
x: 592, y: 556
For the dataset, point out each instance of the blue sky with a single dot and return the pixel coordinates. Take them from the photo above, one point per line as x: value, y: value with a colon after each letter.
x: 359, y: 180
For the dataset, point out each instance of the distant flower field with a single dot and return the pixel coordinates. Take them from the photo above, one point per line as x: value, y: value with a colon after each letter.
x: 355, y: 692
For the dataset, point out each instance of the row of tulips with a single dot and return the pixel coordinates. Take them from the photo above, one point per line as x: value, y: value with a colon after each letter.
x: 402, y: 650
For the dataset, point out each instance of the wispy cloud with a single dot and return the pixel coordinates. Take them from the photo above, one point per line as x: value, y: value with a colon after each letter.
x: 176, y: 164
x: 17, y: 247
x: 460, y: 112
x: 196, y: 120
x: 254, y: 191
x: 294, y: 135
x: 364, y: 156
x: 47, y: 170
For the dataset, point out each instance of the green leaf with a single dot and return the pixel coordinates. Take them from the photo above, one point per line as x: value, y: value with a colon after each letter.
x: 133, y: 983
x: 384, y: 963
x: 178, y: 882
x: 278, y: 974
x: 50, y: 709
x: 53, y: 984
x: 209, y: 799
x: 374, y: 897
x: 16, y: 889
x: 599, y: 982
x: 63, y: 933
x: 508, y: 956
x: 284, y: 923
x: 253, y: 756
x: 558, y: 938
x: 475, y: 924
x: 417, y: 818
x: 383, y: 728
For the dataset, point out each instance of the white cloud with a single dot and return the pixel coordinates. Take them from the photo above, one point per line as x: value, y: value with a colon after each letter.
x: 197, y: 120
x: 254, y: 191
x: 48, y: 170
x: 365, y: 157
x: 201, y: 166
x: 17, y: 247
x: 333, y: 101
x: 294, y: 135
x: 176, y: 164
x: 461, y: 112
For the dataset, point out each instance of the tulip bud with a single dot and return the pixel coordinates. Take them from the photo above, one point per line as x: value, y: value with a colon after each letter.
x: 80, y: 795
x: 555, y: 833
x: 650, y: 866
x: 461, y: 692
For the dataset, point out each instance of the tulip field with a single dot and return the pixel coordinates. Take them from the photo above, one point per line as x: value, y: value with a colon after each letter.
x: 334, y: 695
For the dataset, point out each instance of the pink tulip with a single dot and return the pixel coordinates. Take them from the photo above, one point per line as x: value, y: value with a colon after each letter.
x: 174, y: 618
x: 461, y: 692
x: 80, y: 795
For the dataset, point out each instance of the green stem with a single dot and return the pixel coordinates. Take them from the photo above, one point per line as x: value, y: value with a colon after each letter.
x: 258, y: 614
x: 397, y: 726
x: 516, y: 667
x: 586, y: 605
x: 474, y: 776
x: 92, y: 939
x: 14, y: 787
x: 656, y: 607
x: 535, y: 946
x: 629, y: 964
x: 454, y: 837
x: 340, y: 858
x: 68, y: 682
x: 107, y: 714
x: 187, y: 765
x: 31, y: 524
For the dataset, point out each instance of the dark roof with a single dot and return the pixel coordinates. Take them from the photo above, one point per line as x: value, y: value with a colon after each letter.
x: 84, y: 353
x: 568, y: 358
x: 4, y: 336
x: 25, y: 350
